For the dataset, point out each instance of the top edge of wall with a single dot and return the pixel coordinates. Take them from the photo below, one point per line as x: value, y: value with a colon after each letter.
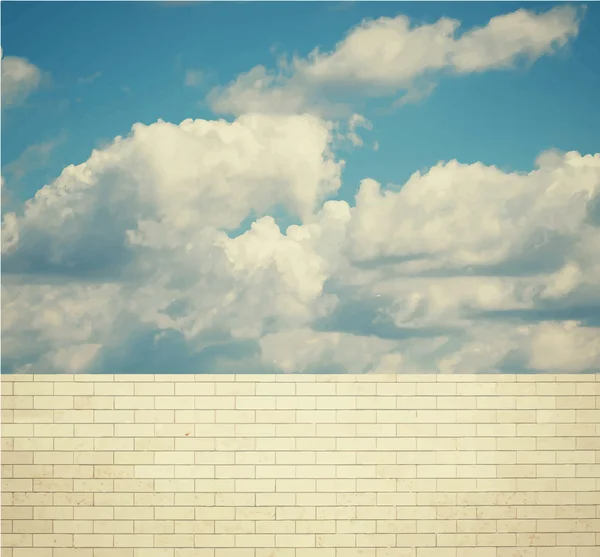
x: 317, y: 378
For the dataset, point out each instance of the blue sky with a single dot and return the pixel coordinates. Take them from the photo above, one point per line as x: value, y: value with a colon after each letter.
x: 466, y: 267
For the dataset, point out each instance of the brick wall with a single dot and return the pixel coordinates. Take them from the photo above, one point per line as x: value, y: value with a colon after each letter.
x: 301, y: 466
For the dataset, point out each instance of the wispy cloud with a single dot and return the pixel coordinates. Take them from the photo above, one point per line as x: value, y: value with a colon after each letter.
x: 193, y: 78
x: 89, y: 79
x: 33, y: 158
x: 340, y: 6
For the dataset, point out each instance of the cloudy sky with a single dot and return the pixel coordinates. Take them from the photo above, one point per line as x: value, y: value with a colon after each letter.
x: 300, y: 187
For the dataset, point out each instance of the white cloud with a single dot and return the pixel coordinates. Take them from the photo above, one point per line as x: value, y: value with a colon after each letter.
x: 150, y: 211
x: 301, y: 350
x: 357, y: 121
x: 388, y: 55
x: 458, y: 215
x: 19, y: 78
x: 260, y: 91
x: 209, y: 172
x: 391, y: 53
x: 520, y: 34
x: 564, y: 347
x: 172, y: 266
x: 60, y: 328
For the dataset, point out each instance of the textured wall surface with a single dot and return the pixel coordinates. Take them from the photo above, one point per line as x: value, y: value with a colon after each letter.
x: 301, y: 466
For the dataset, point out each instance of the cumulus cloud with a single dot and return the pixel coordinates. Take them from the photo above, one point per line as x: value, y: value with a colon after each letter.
x: 390, y: 54
x: 153, y: 209
x: 459, y: 215
x: 304, y: 350
x: 55, y: 327
x: 19, y: 79
x: 464, y: 269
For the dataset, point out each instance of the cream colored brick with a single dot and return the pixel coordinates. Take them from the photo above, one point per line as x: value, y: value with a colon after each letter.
x: 114, y: 389
x: 72, y: 499
x: 53, y: 484
x: 28, y: 416
x: 74, y: 416
x: 23, y: 388
x: 466, y: 436
x: 132, y: 540
x: 159, y: 552
x: 214, y: 540
x: 174, y: 540
x: 28, y: 499
x: 583, y: 389
x: 214, y: 403
x: 368, y: 444
x: 338, y: 402
x: 416, y: 403
x: 26, y: 444
x: 277, y: 527
x: 10, y: 457
x: 576, y: 402
x: 18, y: 513
x: 73, y: 389
x: 278, y: 389
x: 173, y: 457
x: 113, y: 471
x: 72, y: 444
x: 6, y: 387
x: 582, y: 443
x: 477, y: 416
x: 175, y: 513
x: 17, y: 402
x: 35, y: 471
x: 94, y: 402
x: 336, y: 540
x: 476, y: 389
x: 95, y: 430
x: 556, y: 389
x: 212, y: 457
x: 114, y: 416
x: 53, y: 402
x: 536, y: 402
x: 575, y: 484
x: 154, y: 527
x: 54, y: 540
x: 132, y: 430
x: 17, y: 430
x: 93, y: 485
x: 303, y: 499
x: 133, y: 403
x: 387, y: 512
x: 283, y: 416
x: 160, y: 389
x: 13, y: 484
x: 73, y: 526
x: 194, y: 389
x: 33, y: 526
